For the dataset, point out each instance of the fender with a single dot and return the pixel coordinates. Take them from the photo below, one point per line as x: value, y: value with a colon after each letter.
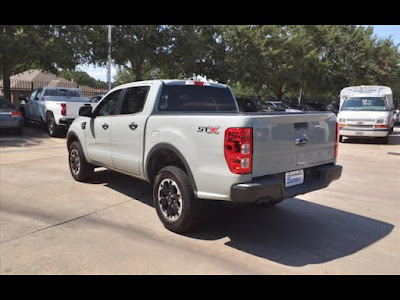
x: 72, y: 134
x: 179, y: 154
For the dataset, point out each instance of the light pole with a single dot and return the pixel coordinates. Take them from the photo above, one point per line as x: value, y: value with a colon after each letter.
x: 109, y: 58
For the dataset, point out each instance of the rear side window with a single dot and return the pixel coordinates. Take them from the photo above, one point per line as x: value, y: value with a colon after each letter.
x: 134, y: 99
x: 196, y: 98
x: 6, y: 104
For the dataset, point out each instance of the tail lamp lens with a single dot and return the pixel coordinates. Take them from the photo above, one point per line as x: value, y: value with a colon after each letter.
x: 63, y: 109
x: 238, y: 149
x: 16, y: 114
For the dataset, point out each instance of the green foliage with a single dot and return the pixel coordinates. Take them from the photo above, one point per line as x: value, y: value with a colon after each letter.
x: 82, y: 78
x: 271, y: 61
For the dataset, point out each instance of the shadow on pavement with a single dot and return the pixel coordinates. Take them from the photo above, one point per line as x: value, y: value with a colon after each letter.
x: 31, y: 136
x: 294, y: 233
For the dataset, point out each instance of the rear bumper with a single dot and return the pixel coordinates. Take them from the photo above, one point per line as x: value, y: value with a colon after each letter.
x: 272, y: 188
x: 65, y: 122
x: 14, y: 123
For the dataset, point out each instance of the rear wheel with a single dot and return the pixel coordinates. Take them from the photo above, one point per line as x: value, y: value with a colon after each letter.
x: 177, y: 207
x: 52, y: 127
x: 80, y: 169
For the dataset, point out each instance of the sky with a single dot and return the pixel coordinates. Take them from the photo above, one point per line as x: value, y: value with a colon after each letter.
x: 381, y: 31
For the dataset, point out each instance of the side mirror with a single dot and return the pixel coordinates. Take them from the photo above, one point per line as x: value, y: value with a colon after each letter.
x: 86, y: 111
x: 395, y: 104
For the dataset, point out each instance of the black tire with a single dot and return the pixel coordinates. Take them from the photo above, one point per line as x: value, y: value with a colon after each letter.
x: 23, y: 117
x: 52, y: 127
x: 184, y: 208
x: 80, y: 169
x: 341, y: 140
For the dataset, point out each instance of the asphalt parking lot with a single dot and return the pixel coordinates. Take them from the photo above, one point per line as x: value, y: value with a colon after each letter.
x: 51, y: 224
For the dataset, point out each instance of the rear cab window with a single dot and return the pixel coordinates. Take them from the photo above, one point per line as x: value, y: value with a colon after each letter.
x: 62, y: 92
x: 193, y: 98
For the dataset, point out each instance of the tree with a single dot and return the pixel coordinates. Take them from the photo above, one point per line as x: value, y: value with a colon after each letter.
x: 262, y: 57
x: 81, y: 78
x: 140, y: 48
x: 197, y: 49
x: 49, y: 47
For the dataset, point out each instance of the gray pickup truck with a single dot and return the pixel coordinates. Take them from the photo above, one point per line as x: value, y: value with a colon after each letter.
x: 189, y: 139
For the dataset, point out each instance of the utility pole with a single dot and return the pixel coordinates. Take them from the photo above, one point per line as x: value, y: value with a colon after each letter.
x: 109, y: 58
x: 299, y: 99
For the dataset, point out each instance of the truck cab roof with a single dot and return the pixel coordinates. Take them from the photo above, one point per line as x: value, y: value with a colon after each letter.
x: 174, y: 82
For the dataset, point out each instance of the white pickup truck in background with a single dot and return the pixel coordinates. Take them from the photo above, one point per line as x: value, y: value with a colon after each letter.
x: 55, y: 106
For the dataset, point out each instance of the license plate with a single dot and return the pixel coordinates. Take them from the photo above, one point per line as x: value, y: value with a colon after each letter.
x: 358, y: 133
x: 294, y: 178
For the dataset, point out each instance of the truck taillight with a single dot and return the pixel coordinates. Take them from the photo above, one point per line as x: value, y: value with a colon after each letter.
x: 336, y: 140
x: 16, y: 114
x: 238, y: 149
x: 63, y: 109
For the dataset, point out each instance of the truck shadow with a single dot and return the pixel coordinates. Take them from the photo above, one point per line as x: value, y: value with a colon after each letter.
x: 31, y: 136
x: 294, y: 232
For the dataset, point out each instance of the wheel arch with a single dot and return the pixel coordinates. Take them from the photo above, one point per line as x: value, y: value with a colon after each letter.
x: 162, y: 155
x: 72, y: 137
x: 46, y: 116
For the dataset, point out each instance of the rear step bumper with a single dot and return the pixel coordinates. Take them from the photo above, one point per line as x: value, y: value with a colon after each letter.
x: 66, y: 121
x: 272, y: 188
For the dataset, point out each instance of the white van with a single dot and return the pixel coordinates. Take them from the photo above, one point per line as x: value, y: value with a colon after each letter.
x: 366, y: 111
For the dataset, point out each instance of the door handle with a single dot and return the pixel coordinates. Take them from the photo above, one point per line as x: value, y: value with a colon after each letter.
x: 105, y: 126
x: 133, y: 126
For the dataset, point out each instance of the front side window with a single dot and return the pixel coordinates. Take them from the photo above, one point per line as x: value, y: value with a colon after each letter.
x: 39, y: 94
x: 191, y: 98
x: 134, y: 99
x: 32, y: 96
x: 108, y: 105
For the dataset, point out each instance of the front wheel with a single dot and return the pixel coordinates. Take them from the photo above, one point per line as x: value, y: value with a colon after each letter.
x: 80, y: 169
x: 177, y: 207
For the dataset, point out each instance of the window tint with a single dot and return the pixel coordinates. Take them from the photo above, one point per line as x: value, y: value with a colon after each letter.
x: 4, y: 103
x: 62, y: 92
x: 32, y: 96
x: 196, y: 98
x: 134, y: 99
x: 39, y: 94
x: 108, y: 105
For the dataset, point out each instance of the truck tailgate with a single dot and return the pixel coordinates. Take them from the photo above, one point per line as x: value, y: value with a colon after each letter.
x: 73, y: 108
x: 288, y: 142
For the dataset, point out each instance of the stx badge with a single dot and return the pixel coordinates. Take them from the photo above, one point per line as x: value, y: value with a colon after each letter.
x: 208, y: 129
